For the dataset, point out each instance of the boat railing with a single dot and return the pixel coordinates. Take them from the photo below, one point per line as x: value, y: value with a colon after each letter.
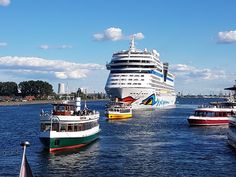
x: 206, y: 106
x: 45, y: 113
x: 215, y: 106
x: 86, y: 112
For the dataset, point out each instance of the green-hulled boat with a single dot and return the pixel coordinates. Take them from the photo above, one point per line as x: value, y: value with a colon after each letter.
x: 67, y: 126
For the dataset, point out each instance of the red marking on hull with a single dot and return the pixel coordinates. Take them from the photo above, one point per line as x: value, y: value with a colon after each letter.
x: 207, y: 122
x: 52, y: 150
x: 128, y: 99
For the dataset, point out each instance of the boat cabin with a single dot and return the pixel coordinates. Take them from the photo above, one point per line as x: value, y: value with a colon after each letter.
x: 63, y: 109
x: 68, y: 127
x: 120, y: 107
x: 204, y: 113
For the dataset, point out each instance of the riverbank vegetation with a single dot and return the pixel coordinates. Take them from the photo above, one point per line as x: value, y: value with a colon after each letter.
x: 29, y: 91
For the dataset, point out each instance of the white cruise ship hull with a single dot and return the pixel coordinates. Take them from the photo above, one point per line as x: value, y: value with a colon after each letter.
x: 143, y: 98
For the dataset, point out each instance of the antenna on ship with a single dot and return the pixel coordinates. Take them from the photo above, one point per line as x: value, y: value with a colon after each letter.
x: 85, y: 105
x: 132, y: 44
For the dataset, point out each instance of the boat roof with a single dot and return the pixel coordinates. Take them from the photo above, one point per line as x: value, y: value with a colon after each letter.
x: 223, y: 103
x: 231, y: 88
x: 71, y: 119
x: 214, y: 109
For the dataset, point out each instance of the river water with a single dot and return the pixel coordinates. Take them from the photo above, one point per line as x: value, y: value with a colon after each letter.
x: 152, y: 143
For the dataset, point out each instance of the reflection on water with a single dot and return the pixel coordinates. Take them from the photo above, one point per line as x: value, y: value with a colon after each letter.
x: 73, y: 161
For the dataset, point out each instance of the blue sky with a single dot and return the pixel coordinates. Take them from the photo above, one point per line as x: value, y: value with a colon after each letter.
x: 71, y: 41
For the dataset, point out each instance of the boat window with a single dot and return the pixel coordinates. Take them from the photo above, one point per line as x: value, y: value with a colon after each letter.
x: 217, y: 114
x: 55, y: 127
x: 76, y: 127
x: 63, y: 127
x: 209, y: 114
x: 70, y: 128
x: 81, y: 127
x: 225, y: 114
x: 45, y: 127
x: 200, y: 113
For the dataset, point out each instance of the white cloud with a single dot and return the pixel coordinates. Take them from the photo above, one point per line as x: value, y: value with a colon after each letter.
x: 3, y: 44
x: 49, y: 68
x: 227, y: 37
x: 196, y: 80
x: 192, y: 74
x: 115, y: 34
x: 46, y: 47
x: 138, y: 36
x: 112, y: 33
x: 4, y: 2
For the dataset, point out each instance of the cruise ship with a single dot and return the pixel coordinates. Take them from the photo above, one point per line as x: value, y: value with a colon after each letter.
x: 139, y: 78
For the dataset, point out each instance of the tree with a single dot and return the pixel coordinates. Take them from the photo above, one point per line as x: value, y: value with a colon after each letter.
x: 39, y: 89
x: 8, y: 89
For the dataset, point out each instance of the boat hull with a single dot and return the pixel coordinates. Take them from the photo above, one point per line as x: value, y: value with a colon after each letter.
x: 112, y: 116
x: 207, y: 121
x: 63, y: 143
x: 231, y: 138
x: 231, y: 133
x: 142, y: 98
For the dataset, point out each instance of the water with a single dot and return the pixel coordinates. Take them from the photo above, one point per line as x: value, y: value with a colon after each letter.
x: 152, y: 143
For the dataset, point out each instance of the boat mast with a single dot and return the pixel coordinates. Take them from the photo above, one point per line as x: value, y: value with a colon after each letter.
x: 132, y: 44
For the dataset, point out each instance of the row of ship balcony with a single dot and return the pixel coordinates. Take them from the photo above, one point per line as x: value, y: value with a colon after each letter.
x: 137, y: 64
x: 141, y: 84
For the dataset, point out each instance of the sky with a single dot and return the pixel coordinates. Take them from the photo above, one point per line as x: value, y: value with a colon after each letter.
x: 61, y: 41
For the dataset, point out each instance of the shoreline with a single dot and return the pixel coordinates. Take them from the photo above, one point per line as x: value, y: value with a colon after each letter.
x: 18, y: 103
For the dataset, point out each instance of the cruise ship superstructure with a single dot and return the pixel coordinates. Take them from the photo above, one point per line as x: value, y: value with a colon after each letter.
x: 140, y: 78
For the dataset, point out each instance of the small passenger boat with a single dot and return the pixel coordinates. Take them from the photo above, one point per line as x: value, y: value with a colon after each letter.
x: 216, y: 113
x: 118, y: 110
x: 67, y: 126
x: 211, y: 115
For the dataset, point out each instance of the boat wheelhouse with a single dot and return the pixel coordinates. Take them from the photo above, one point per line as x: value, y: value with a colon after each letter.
x: 67, y: 126
x: 140, y: 78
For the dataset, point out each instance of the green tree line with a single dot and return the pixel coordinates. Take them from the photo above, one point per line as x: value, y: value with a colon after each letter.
x: 38, y: 89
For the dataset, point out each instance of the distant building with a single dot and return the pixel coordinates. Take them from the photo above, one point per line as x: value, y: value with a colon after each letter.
x: 61, y: 88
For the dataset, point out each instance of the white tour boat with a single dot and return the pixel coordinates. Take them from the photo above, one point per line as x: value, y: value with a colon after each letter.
x: 67, y: 126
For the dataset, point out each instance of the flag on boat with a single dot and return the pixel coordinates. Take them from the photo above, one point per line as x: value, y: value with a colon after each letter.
x: 25, y: 170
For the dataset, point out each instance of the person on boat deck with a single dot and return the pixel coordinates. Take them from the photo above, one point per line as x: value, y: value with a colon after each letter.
x: 232, y: 112
x: 42, y: 112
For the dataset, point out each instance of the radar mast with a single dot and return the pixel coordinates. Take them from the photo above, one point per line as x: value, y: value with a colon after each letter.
x: 132, y: 44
